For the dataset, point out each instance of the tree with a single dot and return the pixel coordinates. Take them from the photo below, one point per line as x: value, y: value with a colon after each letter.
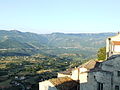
x: 101, y: 54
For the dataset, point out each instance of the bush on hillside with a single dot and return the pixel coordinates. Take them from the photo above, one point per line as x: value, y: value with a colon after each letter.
x: 101, y: 54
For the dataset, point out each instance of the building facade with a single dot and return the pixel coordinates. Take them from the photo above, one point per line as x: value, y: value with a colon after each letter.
x: 113, y: 45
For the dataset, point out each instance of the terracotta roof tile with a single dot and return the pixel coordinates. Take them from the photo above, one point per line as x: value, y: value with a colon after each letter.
x: 67, y: 72
x: 90, y: 64
x: 64, y: 83
x: 116, y: 42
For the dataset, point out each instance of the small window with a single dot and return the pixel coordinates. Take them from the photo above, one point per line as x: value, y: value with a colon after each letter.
x: 116, y: 87
x: 118, y: 73
x: 100, y: 86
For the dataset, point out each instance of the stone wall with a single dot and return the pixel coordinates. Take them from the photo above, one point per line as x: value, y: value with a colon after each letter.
x: 113, y: 65
x: 94, y: 78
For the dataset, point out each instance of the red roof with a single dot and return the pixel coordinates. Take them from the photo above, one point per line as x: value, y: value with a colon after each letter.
x: 116, y: 42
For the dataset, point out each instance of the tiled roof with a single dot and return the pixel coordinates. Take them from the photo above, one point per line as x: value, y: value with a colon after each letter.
x: 67, y: 72
x: 116, y: 42
x: 90, y: 64
x: 64, y: 83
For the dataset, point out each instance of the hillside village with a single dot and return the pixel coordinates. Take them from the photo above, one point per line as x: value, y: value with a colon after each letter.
x: 93, y: 75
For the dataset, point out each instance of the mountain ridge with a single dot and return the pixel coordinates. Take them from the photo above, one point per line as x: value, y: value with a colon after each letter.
x: 53, y: 43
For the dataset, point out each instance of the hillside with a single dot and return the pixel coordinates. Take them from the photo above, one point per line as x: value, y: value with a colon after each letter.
x: 56, y: 43
x: 17, y: 39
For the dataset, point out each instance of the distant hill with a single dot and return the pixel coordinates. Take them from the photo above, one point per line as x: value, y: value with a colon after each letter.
x: 17, y: 39
x: 28, y: 43
x: 82, y: 40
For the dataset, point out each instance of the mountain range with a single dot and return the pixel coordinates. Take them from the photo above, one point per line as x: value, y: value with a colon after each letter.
x: 15, y: 42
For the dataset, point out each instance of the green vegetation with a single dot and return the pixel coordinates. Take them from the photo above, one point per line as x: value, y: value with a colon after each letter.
x: 17, y: 70
x: 101, y: 54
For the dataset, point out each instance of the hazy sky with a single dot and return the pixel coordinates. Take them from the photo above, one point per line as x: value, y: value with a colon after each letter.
x: 68, y: 16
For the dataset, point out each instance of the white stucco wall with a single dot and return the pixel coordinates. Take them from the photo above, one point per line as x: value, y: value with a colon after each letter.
x: 117, y: 48
x: 46, y: 85
x: 83, y: 77
x: 76, y: 73
x: 82, y: 70
x: 109, y: 46
x: 84, y: 85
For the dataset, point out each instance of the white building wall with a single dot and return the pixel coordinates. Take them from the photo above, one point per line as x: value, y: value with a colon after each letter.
x: 75, y: 74
x: 84, y: 85
x: 109, y: 46
x: 46, y: 85
x: 83, y: 77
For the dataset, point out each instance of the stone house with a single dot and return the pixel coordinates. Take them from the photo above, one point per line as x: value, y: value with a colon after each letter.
x: 106, y: 76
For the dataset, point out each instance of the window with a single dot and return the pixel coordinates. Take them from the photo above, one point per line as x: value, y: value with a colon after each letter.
x: 116, y: 87
x: 100, y: 86
x: 118, y: 73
